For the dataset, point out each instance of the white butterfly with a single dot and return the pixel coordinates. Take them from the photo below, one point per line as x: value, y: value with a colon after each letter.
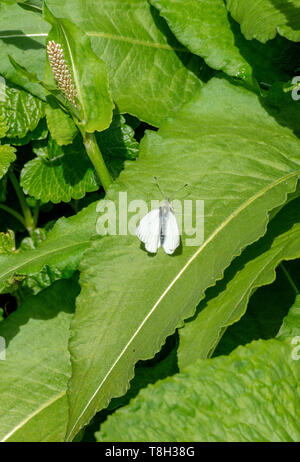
x: 159, y: 228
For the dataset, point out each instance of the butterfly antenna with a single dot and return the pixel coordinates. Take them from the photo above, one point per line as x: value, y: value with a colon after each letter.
x: 178, y: 190
x: 160, y: 190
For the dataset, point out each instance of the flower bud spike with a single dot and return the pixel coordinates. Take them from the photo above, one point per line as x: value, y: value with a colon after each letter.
x: 61, y: 71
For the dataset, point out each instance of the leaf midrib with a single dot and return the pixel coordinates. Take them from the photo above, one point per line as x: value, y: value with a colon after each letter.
x: 133, y: 41
x: 189, y: 262
x: 33, y: 414
x: 41, y: 256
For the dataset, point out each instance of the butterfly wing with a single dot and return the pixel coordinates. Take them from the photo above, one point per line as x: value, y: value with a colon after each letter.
x: 172, y: 236
x: 148, y: 231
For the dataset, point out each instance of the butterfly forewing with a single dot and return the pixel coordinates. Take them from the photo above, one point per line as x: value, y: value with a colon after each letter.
x: 149, y: 231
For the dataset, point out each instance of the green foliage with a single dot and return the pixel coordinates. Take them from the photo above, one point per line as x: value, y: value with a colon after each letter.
x: 59, y: 174
x: 62, y: 250
x: 7, y: 242
x: 204, y: 27
x: 151, y: 74
x: 23, y: 35
x: 274, y: 16
x: 226, y: 303
x: 96, y: 99
x: 37, y: 366
x: 61, y: 124
x: 89, y: 74
x: 225, y: 145
x: 21, y: 111
x: 243, y: 397
x: 7, y: 156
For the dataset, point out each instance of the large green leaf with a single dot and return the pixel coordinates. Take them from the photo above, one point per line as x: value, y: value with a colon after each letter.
x: 265, y: 311
x: 61, y: 251
x: 59, y: 174
x: 226, y: 303
x: 252, y: 395
x: 291, y: 323
x: 60, y: 123
x: 89, y: 72
x: 146, y: 372
x: 204, y: 27
x: 22, y: 35
x: 236, y: 158
x: 34, y: 375
x: 151, y: 74
x: 22, y: 112
x: 262, y: 20
x: 7, y: 156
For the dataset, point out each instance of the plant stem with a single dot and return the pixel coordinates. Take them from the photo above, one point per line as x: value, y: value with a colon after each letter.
x: 94, y: 153
x: 36, y: 213
x: 12, y: 212
x: 289, y: 278
x: 28, y: 219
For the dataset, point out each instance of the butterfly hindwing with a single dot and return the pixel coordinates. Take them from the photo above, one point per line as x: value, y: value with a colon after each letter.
x: 172, y: 236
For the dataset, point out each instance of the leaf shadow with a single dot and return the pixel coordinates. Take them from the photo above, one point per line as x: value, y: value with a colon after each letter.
x: 177, y: 252
x: 37, y: 306
x: 278, y: 104
x: 20, y: 40
x: 290, y: 11
x: 113, y: 147
x: 190, y: 61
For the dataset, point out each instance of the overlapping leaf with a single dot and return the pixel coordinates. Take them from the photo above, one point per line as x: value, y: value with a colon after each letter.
x: 151, y: 74
x: 59, y: 176
x: 61, y: 125
x: 64, y: 173
x: 266, y: 309
x: 21, y: 111
x: 22, y: 35
x: 206, y: 28
x: 226, y: 303
x: 203, y: 26
x: 262, y: 20
x: 251, y: 395
x: 33, y: 402
x: 89, y: 72
x: 7, y: 156
x: 243, y: 165
x: 61, y: 251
